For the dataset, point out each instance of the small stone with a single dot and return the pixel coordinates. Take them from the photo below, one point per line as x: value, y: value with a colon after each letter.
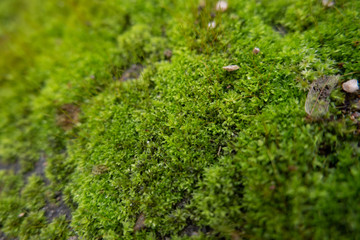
x: 351, y: 86
x: 168, y: 53
x: 328, y: 3
x: 256, y: 51
x: 231, y: 68
x: 202, y: 4
x: 212, y: 24
x: 221, y: 6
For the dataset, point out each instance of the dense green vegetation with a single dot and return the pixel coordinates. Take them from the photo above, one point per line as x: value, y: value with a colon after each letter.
x: 117, y: 120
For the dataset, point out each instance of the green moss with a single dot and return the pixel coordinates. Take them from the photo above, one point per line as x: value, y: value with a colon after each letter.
x: 185, y: 150
x: 57, y: 229
x: 31, y: 226
x: 138, y: 45
x: 33, y: 193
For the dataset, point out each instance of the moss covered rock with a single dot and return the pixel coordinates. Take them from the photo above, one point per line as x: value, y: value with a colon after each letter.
x: 118, y: 120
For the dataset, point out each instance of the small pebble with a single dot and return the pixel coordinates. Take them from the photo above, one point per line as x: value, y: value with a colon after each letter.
x: 221, y: 6
x: 256, y: 51
x: 351, y: 86
x: 328, y: 3
x: 202, y: 3
x: 231, y: 68
x: 201, y: 6
x: 168, y: 53
x: 212, y: 24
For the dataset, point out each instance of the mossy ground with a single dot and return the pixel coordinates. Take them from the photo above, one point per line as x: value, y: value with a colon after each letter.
x: 185, y: 150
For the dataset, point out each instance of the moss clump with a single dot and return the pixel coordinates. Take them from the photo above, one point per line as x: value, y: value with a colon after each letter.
x: 119, y: 114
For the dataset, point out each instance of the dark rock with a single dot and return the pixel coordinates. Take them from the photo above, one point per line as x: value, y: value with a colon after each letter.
x: 132, y: 73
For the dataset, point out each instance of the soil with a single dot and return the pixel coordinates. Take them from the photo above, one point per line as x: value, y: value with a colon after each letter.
x: 12, y: 166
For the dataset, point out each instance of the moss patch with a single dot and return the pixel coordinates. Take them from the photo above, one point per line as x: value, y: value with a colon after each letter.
x: 120, y: 114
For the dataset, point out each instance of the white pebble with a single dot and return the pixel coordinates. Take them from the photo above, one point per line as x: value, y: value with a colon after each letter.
x: 328, y: 3
x: 256, y: 50
x: 351, y: 86
x: 231, y: 68
x: 212, y: 24
x: 221, y: 6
